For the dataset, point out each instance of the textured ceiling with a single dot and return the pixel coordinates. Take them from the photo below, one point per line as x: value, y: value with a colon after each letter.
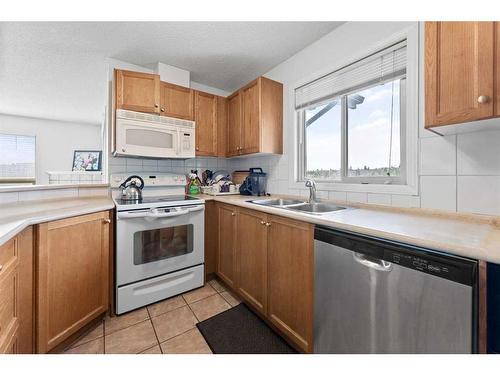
x: 57, y: 70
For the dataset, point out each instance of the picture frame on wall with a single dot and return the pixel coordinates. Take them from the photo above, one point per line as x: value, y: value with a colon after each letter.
x: 87, y: 160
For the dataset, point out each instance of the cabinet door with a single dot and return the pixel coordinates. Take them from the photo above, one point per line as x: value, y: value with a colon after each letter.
x: 221, y: 127
x: 497, y: 69
x: 176, y: 101
x: 137, y: 91
x: 206, y: 124
x: 251, y: 258
x: 211, y: 233
x: 458, y: 72
x: 16, y: 294
x: 226, y: 244
x: 72, y: 277
x: 250, y: 130
x: 233, y: 124
x: 290, y: 274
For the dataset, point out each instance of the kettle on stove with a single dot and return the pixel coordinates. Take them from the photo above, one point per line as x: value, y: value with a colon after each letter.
x: 130, y: 190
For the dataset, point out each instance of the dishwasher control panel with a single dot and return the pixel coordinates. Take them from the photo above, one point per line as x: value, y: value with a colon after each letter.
x: 428, y: 264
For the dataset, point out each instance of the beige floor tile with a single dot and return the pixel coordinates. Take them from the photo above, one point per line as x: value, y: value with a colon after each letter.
x: 123, y: 321
x: 166, y: 306
x: 217, y: 285
x: 191, y: 342
x: 131, y: 340
x: 231, y: 298
x: 154, y: 350
x: 199, y: 294
x: 92, y: 335
x: 92, y: 347
x: 174, y: 323
x: 209, y: 307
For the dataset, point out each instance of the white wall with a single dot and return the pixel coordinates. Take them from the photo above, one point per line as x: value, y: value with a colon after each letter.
x: 55, y: 141
x: 456, y: 173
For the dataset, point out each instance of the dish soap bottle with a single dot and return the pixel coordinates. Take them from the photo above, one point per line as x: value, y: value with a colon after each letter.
x: 193, y: 187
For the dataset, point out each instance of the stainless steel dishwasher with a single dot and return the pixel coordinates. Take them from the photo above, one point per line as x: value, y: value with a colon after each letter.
x: 376, y: 296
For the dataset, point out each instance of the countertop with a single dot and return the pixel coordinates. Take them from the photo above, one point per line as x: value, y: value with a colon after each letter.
x: 14, y: 217
x: 468, y: 235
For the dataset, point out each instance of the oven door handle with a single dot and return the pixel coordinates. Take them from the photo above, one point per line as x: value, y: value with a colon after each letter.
x: 155, y: 214
x: 195, y: 209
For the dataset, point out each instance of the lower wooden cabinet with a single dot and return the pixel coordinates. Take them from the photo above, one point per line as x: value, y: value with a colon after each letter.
x: 268, y: 261
x: 226, y: 244
x: 290, y: 270
x: 72, y: 276
x: 251, y: 258
x: 16, y: 294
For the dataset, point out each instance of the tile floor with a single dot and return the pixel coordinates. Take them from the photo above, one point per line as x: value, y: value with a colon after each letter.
x: 167, y: 327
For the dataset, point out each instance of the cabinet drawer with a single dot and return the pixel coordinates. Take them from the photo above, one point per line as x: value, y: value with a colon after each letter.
x: 8, y: 255
x: 8, y: 301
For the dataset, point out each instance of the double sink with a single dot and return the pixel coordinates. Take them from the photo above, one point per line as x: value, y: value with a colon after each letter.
x: 299, y: 205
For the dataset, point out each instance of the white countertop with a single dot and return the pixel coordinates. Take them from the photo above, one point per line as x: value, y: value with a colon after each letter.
x: 14, y: 217
x: 468, y: 235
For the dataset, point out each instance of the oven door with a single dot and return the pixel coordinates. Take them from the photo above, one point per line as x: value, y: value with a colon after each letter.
x: 146, y: 139
x: 152, y: 242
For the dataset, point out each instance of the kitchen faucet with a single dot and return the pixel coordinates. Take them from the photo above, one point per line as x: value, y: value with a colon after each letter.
x: 312, y: 190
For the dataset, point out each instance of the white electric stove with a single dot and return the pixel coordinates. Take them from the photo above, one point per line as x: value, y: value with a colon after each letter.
x: 159, y: 241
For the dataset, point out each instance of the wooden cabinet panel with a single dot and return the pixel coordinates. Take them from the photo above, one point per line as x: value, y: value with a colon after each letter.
x: 497, y: 69
x: 137, y: 91
x: 290, y: 275
x: 233, y: 124
x: 226, y: 244
x: 72, y: 278
x: 221, y: 127
x: 206, y: 124
x: 176, y: 101
x: 459, y: 63
x: 250, y: 131
x: 16, y: 294
x: 251, y: 258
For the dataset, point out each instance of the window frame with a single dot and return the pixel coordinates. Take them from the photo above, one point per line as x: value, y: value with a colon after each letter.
x: 344, y: 151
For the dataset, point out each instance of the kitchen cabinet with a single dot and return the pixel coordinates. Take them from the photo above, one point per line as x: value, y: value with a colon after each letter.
x: 226, y: 244
x: 206, y: 124
x: 233, y: 124
x: 290, y: 273
x: 251, y: 258
x: 460, y: 71
x: 176, y: 101
x: 72, y: 276
x: 271, y: 268
x: 255, y: 118
x: 221, y: 127
x: 136, y: 91
x: 211, y: 232
x: 16, y: 294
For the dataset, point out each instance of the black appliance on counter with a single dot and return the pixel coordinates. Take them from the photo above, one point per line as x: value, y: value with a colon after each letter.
x: 255, y: 183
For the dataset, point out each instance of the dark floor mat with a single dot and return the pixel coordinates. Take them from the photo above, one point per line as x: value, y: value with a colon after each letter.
x: 239, y: 331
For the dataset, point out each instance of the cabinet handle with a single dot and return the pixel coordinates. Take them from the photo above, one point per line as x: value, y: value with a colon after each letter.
x: 483, y: 99
x: 106, y: 221
x: 268, y: 224
x: 233, y: 214
x: 162, y: 109
x: 1, y: 266
x: 197, y: 149
x: 262, y: 222
x: 156, y: 105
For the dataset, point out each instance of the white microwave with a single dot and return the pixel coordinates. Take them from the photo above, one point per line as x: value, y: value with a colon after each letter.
x: 153, y: 136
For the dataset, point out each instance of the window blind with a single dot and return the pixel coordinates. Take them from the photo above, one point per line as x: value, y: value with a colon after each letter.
x: 17, y: 158
x: 381, y: 66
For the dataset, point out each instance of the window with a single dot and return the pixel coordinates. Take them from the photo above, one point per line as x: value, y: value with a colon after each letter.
x: 17, y: 161
x: 352, y: 122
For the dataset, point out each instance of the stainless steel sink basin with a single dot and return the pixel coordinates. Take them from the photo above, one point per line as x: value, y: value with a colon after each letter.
x: 278, y: 202
x: 317, y: 208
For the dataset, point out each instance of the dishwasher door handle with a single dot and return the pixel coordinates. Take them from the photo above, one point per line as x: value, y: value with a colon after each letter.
x: 368, y: 261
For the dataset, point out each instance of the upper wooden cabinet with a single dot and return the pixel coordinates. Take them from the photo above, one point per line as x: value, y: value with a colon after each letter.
x: 206, y: 124
x: 221, y: 126
x: 255, y: 118
x: 16, y: 294
x: 460, y: 71
x: 176, y: 101
x: 72, y: 276
x: 137, y: 91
